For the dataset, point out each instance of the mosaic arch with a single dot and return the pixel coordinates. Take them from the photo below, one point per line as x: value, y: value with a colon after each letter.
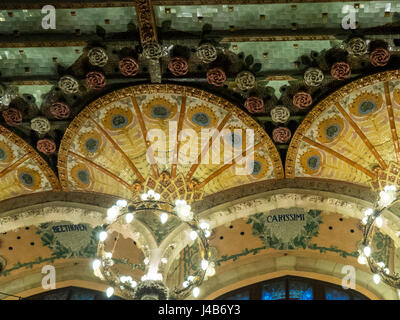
x: 22, y: 169
x: 105, y: 148
x: 352, y: 135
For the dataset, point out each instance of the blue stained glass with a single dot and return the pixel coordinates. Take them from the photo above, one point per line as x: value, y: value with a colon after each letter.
x: 300, y: 290
x: 334, y: 294
x: 82, y: 295
x: 239, y: 296
x: 274, y: 291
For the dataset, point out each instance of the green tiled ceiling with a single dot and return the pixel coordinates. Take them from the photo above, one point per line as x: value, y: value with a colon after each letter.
x: 277, y: 16
x: 36, y: 90
x: 281, y: 54
x: 86, y: 20
x: 38, y: 60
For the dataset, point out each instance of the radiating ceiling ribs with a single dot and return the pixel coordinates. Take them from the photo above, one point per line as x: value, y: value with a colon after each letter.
x: 391, y: 121
x: 361, y: 135
x: 177, y: 145
x: 14, y: 165
x: 339, y: 156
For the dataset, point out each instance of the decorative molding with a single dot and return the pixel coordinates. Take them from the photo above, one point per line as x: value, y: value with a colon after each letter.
x: 146, y: 21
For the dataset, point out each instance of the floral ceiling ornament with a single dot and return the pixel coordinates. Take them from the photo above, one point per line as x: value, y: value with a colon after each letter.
x: 12, y: 116
x: 280, y: 114
x: 379, y: 57
x: 357, y: 47
x: 46, y: 146
x: 151, y: 290
x: 40, y: 124
x: 254, y: 104
x: 152, y: 51
x: 207, y: 53
x: 95, y: 80
x: 302, y: 100
x: 68, y: 85
x: 60, y: 110
x: 178, y: 66
x: 281, y: 135
x: 313, y: 77
x: 245, y: 80
x: 98, y: 57
x: 216, y: 77
x: 128, y: 66
x: 340, y: 70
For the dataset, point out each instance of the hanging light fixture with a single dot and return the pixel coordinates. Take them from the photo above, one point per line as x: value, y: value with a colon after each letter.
x: 124, y: 285
x: 372, y: 219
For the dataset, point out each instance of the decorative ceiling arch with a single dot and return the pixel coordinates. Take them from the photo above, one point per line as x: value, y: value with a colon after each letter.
x: 351, y: 135
x: 22, y: 169
x: 104, y: 148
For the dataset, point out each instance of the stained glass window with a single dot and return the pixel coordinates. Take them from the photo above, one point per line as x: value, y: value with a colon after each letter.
x: 239, y: 296
x: 334, y: 294
x: 274, y: 291
x: 300, y: 290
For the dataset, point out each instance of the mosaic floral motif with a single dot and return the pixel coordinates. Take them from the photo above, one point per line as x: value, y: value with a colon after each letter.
x: 311, y: 161
x: 68, y: 85
x: 245, y: 80
x: 160, y: 108
x: 12, y: 116
x: 178, y: 66
x: 302, y: 100
x: 357, y: 47
x: 379, y: 57
x: 330, y: 129
x: 254, y: 104
x: 40, y: 124
x: 128, y: 66
x: 216, y: 77
x: 207, y: 53
x: 366, y: 103
x: 81, y: 175
x: 300, y: 227
x: 95, y: 80
x: 60, y: 110
x: 6, y: 154
x: 280, y: 114
x: 313, y: 77
x: 281, y: 134
x: 90, y: 143
x: 258, y: 167
x: 29, y: 178
x: 202, y: 116
x: 46, y: 146
x: 340, y: 70
x: 152, y: 51
x: 117, y: 118
x: 98, y: 57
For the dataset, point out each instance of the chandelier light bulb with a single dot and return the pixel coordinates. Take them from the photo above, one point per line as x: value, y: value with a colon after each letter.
x: 377, y: 278
x: 204, y: 264
x: 157, y: 196
x: 207, y: 233
x: 151, y: 193
x: 190, y: 278
x: 129, y: 217
x: 210, y: 272
x: 96, y: 264
x: 109, y: 291
x: 164, y: 217
x: 144, y: 196
x: 121, y: 203
x: 185, y: 284
x: 193, y: 235
x: 362, y: 259
x: 381, y: 264
x: 133, y: 283
x: 364, y: 220
x: 122, y: 279
x: 387, y: 271
x: 379, y: 222
x: 368, y: 212
x: 204, y: 225
x: 112, y: 212
x: 196, y: 292
x: 108, y: 255
x: 367, y: 251
x: 103, y: 236
x: 146, y: 261
x: 164, y: 260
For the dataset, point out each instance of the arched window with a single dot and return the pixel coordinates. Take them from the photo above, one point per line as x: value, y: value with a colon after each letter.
x: 293, y: 288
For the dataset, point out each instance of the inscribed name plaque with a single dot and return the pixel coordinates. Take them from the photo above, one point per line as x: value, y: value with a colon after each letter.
x: 66, y: 239
x: 286, y: 228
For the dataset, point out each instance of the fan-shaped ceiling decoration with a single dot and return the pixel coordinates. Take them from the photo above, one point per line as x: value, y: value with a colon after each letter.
x: 352, y: 135
x: 110, y: 146
x: 22, y: 169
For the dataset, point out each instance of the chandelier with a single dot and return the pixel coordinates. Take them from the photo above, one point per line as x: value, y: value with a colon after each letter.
x: 151, y: 285
x: 372, y: 219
